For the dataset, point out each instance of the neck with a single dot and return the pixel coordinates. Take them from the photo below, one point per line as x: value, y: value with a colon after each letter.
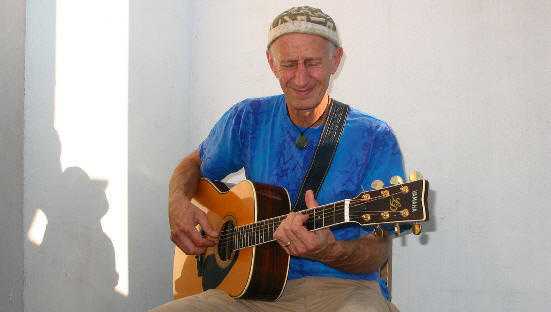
x: 307, y: 117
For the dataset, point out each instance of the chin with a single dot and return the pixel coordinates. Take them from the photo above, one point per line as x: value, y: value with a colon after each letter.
x: 304, y: 104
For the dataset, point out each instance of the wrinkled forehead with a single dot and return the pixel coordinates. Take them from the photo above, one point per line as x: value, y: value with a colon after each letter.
x: 298, y: 45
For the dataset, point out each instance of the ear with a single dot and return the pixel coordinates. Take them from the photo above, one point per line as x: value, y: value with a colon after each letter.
x: 336, y: 60
x: 271, y: 62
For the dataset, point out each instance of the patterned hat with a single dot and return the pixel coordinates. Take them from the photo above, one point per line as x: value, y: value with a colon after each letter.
x: 306, y: 20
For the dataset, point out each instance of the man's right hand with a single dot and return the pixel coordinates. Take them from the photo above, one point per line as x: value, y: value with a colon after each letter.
x: 183, y: 218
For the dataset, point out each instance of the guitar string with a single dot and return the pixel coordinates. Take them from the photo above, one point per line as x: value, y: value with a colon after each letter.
x: 263, y: 235
x: 321, y: 213
x: 252, y: 232
x: 248, y: 232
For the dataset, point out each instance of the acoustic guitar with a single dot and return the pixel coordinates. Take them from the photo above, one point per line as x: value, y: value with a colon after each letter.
x: 247, y: 262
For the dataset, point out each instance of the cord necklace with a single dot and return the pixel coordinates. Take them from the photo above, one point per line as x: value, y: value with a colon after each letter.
x: 302, y: 141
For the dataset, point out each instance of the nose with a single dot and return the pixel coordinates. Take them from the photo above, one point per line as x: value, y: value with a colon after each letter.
x: 301, y: 75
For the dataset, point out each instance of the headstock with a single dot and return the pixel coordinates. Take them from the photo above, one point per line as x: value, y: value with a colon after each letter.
x: 399, y: 203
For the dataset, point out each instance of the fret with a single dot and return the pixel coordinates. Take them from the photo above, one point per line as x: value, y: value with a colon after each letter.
x: 247, y: 235
x: 272, y: 228
x: 251, y: 235
x: 241, y: 242
x: 268, y: 232
x: 314, y: 218
x: 274, y: 222
x: 264, y: 225
x: 242, y: 237
x: 334, y: 213
x: 237, y: 238
x: 267, y: 236
x: 261, y: 227
x: 323, y: 218
x: 255, y: 234
x: 261, y: 230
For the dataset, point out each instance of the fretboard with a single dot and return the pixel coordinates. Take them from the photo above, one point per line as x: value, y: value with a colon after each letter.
x: 263, y: 231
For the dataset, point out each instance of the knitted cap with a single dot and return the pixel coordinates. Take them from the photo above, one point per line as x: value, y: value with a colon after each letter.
x: 306, y: 20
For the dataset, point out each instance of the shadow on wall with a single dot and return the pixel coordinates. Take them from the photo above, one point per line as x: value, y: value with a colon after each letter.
x: 74, y: 267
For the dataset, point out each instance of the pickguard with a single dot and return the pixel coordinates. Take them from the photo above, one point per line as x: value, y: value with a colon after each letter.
x: 213, y: 275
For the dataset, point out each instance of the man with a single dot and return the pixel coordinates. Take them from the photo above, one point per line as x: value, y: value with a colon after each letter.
x: 274, y: 140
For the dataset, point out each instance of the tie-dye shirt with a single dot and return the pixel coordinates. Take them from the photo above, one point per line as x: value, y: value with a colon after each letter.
x: 257, y: 135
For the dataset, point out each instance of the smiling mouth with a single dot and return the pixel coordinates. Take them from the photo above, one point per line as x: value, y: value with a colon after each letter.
x: 303, y: 92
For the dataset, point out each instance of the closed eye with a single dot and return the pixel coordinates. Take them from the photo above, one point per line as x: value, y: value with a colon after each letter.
x: 288, y: 64
x: 312, y: 63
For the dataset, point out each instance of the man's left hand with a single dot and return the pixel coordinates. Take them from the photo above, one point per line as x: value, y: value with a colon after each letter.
x: 293, y: 236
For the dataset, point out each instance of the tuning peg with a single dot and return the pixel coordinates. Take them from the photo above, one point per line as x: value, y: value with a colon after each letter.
x: 415, y: 176
x: 416, y: 229
x: 377, y: 185
x: 397, y: 229
x: 396, y: 180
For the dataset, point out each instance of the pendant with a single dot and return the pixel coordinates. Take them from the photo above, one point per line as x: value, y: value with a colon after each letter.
x: 301, y: 142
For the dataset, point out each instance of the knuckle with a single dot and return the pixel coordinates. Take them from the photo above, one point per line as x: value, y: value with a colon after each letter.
x: 185, y: 230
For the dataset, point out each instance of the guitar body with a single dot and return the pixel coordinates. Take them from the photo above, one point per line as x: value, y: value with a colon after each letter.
x: 258, y: 272
x: 248, y: 263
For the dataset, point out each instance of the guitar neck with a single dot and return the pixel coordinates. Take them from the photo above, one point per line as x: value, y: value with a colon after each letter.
x: 263, y: 231
x: 404, y: 203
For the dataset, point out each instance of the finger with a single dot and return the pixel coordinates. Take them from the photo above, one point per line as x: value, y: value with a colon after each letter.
x: 298, y: 236
x: 186, y: 245
x: 310, y: 200
x: 300, y: 218
x: 282, y: 240
x: 197, y: 250
x: 199, y: 240
x: 205, y: 225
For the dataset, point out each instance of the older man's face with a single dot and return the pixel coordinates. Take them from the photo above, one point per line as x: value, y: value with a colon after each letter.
x: 303, y: 64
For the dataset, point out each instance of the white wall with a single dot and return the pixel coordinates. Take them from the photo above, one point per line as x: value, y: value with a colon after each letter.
x: 158, y: 123
x: 463, y: 84
x: 12, y: 44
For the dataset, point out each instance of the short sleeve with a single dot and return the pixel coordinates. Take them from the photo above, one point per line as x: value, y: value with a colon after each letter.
x: 385, y: 159
x: 221, y: 151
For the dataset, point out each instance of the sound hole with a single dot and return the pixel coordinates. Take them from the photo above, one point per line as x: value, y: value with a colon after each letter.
x: 225, y: 244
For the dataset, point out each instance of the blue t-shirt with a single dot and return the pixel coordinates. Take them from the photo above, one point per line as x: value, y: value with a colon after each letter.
x: 257, y: 135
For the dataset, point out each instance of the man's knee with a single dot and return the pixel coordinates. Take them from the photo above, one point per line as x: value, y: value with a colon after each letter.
x: 210, y: 300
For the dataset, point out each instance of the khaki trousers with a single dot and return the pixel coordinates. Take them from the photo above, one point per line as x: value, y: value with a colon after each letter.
x: 306, y: 294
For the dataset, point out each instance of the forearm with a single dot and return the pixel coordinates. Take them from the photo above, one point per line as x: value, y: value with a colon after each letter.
x: 185, y: 176
x: 183, y: 216
x: 364, y: 255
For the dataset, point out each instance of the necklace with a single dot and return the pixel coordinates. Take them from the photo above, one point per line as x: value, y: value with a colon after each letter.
x: 302, y: 141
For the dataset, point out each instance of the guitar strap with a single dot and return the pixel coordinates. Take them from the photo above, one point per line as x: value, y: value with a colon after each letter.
x: 325, y: 151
